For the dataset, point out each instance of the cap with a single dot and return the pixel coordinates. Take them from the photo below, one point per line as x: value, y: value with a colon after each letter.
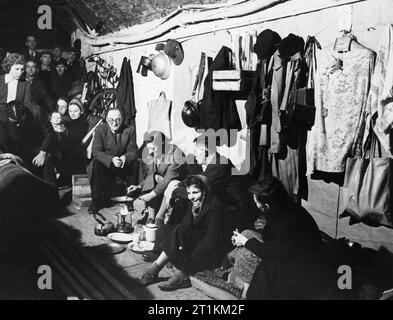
x: 174, y: 50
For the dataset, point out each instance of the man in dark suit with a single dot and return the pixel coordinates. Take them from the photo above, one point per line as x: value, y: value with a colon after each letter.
x: 74, y: 67
x: 45, y: 74
x: 39, y: 94
x: 114, y: 164
x: 57, y: 55
x: 31, y: 52
x: 61, y: 80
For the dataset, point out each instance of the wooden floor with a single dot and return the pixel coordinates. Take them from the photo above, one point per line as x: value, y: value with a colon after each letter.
x: 118, y: 273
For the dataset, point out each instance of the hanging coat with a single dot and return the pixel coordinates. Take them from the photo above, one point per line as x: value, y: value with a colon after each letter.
x: 218, y: 109
x: 125, y: 93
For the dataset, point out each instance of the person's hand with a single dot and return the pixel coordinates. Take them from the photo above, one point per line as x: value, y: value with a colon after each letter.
x: 159, y: 220
x: 133, y: 188
x: 117, y: 162
x: 238, y: 239
x: 148, y: 196
x: 123, y: 161
x: 6, y: 158
x: 39, y: 159
x: 139, y: 205
x: 3, y: 162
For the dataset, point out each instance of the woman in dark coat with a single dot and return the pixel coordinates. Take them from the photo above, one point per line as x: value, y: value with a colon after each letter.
x: 198, y: 243
x: 75, y: 159
x: 292, y: 266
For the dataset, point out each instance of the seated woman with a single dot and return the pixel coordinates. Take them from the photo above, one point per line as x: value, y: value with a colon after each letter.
x: 292, y: 266
x: 75, y: 154
x: 164, y: 165
x: 198, y: 243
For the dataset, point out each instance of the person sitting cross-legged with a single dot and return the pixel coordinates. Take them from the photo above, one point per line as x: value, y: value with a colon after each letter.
x: 114, y: 164
x: 198, y: 243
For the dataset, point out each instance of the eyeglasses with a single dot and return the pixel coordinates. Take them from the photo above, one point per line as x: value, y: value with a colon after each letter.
x: 112, y: 121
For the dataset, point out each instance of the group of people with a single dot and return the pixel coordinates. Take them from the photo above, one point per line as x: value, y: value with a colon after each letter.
x: 42, y: 117
x: 197, y: 204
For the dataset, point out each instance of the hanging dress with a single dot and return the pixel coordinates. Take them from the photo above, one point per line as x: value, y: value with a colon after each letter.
x: 341, y: 90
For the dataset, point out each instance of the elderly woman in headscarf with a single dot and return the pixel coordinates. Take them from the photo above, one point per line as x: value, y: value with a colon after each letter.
x: 198, y: 243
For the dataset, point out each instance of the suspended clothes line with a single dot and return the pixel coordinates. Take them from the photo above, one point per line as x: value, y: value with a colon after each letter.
x: 162, y: 37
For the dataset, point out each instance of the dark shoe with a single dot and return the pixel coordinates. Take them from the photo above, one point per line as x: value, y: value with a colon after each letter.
x: 147, y: 279
x: 150, y: 256
x: 93, y: 209
x: 151, y: 275
x: 179, y: 280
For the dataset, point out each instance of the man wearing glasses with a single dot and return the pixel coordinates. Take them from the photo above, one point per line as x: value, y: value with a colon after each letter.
x: 114, y: 165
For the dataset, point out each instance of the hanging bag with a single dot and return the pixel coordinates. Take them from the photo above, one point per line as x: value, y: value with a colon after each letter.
x: 369, y: 181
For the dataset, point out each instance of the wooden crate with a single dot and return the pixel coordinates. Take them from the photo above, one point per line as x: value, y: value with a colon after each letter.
x: 233, y: 80
x: 81, y: 192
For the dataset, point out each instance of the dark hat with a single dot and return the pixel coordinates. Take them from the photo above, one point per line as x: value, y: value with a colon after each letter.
x: 174, y: 50
x: 290, y: 45
x: 76, y: 102
x: 76, y: 89
x: 72, y: 49
x: 47, y: 52
x: 267, y: 43
x: 61, y: 61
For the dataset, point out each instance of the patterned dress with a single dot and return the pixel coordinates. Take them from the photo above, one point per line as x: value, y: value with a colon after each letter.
x: 342, y: 86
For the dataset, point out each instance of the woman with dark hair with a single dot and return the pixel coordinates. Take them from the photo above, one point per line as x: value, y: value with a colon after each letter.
x: 292, y: 265
x: 198, y: 243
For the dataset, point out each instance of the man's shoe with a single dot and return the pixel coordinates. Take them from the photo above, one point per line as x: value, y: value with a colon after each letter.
x: 179, y: 280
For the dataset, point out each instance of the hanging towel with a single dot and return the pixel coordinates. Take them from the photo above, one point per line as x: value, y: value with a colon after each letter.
x: 160, y: 115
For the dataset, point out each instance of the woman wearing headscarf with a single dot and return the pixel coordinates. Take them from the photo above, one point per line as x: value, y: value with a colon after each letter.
x: 75, y: 160
x: 198, y: 243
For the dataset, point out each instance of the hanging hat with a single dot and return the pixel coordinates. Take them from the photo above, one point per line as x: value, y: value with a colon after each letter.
x: 161, y: 66
x: 290, y: 45
x: 175, y: 51
x: 266, y: 44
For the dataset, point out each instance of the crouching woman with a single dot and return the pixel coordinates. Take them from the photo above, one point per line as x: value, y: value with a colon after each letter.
x: 292, y: 263
x: 200, y: 242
